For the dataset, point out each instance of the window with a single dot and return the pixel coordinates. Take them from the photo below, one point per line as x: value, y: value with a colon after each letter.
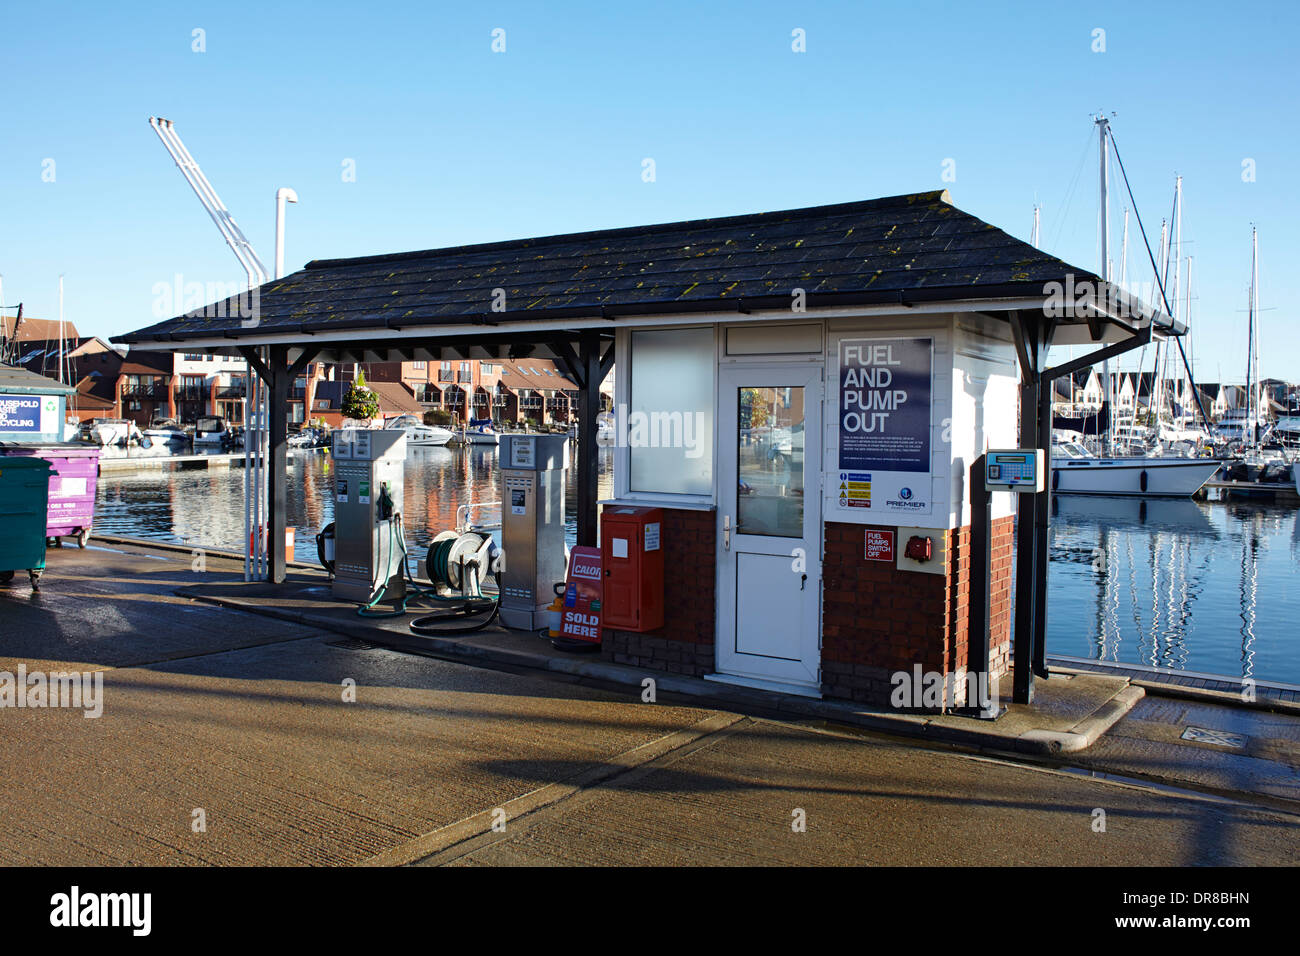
x: 488, y: 369
x: 418, y: 366
x: 670, y: 412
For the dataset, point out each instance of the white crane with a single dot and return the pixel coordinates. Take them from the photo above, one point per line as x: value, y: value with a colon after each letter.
x: 255, y: 396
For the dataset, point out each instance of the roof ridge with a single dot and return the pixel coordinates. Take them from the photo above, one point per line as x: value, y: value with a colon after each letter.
x: 909, y: 199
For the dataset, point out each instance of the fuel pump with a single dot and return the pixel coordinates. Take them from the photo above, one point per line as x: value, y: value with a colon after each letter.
x: 532, y: 526
x: 369, y: 552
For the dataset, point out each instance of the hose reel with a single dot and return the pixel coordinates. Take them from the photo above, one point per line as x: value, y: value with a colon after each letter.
x: 460, y: 562
x: 457, y: 564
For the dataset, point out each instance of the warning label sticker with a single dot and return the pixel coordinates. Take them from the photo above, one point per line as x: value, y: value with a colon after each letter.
x: 855, y: 489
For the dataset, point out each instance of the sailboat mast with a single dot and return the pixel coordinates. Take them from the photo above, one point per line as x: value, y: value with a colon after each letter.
x: 1178, y: 261
x: 1123, y: 251
x: 1250, y: 342
x: 61, y: 350
x: 1254, y: 312
x: 1191, y: 342
x: 1103, y: 129
x: 1177, y: 248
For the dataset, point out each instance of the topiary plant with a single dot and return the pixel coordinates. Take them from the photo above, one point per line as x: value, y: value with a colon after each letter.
x: 360, y: 402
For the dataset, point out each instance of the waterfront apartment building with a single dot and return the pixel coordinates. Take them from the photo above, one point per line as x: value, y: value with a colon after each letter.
x: 506, y: 391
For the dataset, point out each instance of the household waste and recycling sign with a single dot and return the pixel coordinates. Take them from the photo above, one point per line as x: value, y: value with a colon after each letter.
x: 31, y: 414
x: 884, y: 413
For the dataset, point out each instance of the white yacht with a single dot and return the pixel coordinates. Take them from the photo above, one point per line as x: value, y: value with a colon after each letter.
x: 1075, y: 470
x: 165, y: 432
x: 481, y: 432
x: 418, y: 433
x: 109, y: 431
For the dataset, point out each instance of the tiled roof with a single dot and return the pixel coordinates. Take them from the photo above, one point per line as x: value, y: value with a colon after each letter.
x: 533, y: 373
x: 35, y: 328
x: 395, y: 398
x: 903, y: 248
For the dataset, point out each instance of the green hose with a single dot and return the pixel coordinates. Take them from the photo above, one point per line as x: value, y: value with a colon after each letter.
x: 438, y: 572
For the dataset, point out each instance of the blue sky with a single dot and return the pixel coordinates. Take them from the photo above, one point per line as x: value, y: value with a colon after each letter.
x: 453, y: 143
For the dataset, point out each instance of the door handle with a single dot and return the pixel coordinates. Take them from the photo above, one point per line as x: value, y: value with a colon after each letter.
x: 726, y: 532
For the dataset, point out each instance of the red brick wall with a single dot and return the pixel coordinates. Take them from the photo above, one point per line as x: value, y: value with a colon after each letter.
x: 999, y: 599
x: 684, y: 645
x: 878, y: 620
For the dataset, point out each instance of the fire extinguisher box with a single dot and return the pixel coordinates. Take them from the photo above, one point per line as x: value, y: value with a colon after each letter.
x: 633, y: 557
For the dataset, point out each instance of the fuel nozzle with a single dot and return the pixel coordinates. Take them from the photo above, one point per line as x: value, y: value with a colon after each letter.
x: 385, y: 503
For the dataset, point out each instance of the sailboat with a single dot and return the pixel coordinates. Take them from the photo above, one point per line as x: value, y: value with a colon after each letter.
x: 1076, y: 470
x: 1253, y: 461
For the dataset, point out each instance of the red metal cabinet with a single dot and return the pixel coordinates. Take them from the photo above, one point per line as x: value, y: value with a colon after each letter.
x: 633, y: 557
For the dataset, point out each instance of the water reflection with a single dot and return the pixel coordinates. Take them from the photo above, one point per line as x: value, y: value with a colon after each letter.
x: 1179, y: 585
x: 204, y: 507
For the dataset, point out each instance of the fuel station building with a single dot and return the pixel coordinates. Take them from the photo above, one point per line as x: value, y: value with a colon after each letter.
x: 803, y: 394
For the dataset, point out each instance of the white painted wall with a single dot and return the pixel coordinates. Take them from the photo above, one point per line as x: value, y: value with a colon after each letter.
x: 985, y: 406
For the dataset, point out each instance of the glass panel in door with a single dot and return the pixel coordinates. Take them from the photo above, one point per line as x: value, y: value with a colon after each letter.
x: 770, y: 460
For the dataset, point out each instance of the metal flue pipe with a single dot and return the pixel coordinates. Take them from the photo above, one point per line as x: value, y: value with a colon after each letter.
x: 282, y: 195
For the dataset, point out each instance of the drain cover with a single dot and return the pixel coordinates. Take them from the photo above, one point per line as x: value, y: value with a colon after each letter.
x: 1219, y: 738
x: 352, y: 644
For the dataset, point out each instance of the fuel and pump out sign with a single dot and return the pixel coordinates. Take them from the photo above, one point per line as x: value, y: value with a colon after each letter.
x: 884, y: 428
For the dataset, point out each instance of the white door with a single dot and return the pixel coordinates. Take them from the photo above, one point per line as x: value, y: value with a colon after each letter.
x: 769, y: 530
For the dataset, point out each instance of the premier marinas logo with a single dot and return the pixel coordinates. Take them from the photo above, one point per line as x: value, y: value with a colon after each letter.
x: 77, y: 909
x: 82, y: 690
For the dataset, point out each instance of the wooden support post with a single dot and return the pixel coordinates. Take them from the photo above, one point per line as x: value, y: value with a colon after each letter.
x: 277, y: 463
x: 1027, y: 347
x: 1042, y: 522
x: 588, y: 454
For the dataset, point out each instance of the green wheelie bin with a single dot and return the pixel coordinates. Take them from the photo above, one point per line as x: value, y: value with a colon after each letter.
x: 24, y: 503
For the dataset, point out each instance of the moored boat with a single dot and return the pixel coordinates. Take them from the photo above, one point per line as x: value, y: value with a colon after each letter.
x: 1076, y: 471
x: 418, y: 433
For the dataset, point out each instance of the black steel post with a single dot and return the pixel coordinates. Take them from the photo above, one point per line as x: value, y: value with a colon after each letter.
x: 1026, y: 549
x: 1042, y: 521
x: 981, y: 578
x: 277, y: 463
x: 588, y: 453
